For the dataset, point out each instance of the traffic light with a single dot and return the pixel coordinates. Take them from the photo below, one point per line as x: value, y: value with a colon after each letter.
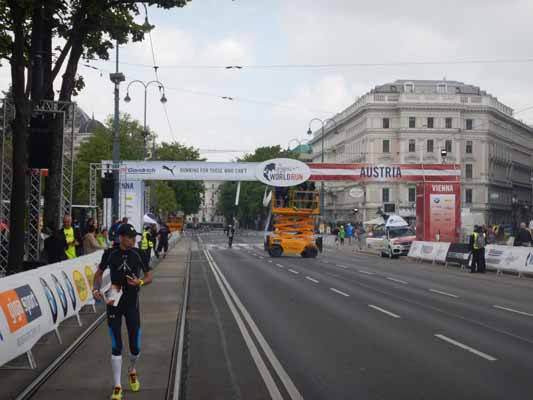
x: 108, y: 185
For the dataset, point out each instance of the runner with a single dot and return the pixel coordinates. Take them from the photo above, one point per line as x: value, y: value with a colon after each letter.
x: 164, y: 234
x: 125, y: 264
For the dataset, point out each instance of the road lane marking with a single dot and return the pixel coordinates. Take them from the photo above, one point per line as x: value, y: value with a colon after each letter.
x: 290, y: 387
x: 293, y: 271
x: 390, y: 314
x: 280, y: 266
x: 252, y: 348
x: 270, y: 261
x: 311, y: 279
x: 339, y: 292
x: 342, y: 266
x: 261, y: 257
x: 467, y: 348
x: 396, y: 280
x: 514, y: 311
x: 365, y: 272
x: 444, y: 293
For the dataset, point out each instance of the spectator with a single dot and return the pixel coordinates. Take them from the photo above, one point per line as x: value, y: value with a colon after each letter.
x: 54, y: 246
x: 335, y: 232
x: 90, y: 244
x: 523, y: 236
x: 102, y: 236
x: 478, y: 241
x: 349, y: 233
x: 342, y: 235
x: 70, y: 237
x: 90, y: 222
x: 163, y: 235
x: 500, y: 235
x: 153, y: 235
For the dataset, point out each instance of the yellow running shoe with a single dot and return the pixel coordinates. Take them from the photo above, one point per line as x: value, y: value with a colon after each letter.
x: 117, y: 393
x: 135, y: 385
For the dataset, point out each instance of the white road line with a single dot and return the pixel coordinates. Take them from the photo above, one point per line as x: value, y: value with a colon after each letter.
x: 396, y: 280
x: 252, y: 348
x: 293, y: 392
x: 311, y: 279
x: 341, y: 266
x: 444, y: 293
x: 514, y: 311
x: 465, y: 347
x: 293, y: 271
x: 270, y: 261
x: 390, y: 314
x: 280, y: 266
x: 365, y: 272
x: 339, y: 292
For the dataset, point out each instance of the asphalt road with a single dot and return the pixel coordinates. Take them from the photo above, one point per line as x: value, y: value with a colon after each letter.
x: 348, y: 326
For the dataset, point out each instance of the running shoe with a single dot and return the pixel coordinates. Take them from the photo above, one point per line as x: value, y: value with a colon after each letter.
x: 135, y: 385
x: 117, y: 393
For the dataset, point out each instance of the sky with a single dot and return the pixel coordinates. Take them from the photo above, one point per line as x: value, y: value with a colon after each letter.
x: 273, y: 106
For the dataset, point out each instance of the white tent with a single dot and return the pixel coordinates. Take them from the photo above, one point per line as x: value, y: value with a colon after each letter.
x: 376, y: 221
x: 395, y: 221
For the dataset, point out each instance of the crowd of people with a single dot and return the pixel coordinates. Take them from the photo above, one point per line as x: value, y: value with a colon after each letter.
x: 353, y: 234
x: 72, y: 240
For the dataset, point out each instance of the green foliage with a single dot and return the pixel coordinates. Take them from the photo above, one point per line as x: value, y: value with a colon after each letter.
x: 163, y: 197
x: 188, y: 193
x: 250, y: 211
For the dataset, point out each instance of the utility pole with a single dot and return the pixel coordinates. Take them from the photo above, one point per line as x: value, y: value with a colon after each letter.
x: 116, y: 78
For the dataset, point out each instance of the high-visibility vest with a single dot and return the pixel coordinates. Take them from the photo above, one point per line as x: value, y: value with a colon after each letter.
x: 475, y: 234
x: 145, y: 242
x: 70, y: 252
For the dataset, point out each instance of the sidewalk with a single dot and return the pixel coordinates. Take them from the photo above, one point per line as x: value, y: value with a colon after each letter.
x: 87, y: 374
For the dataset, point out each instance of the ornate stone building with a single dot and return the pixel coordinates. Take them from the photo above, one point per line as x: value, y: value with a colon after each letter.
x: 411, y: 122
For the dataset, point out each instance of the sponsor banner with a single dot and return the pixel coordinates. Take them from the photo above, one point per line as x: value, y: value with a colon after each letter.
x: 34, y: 303
x: 242, y: 171
x: 458, y: 253
x: 131, y: 202
x: 282, y: 172
x: 509, y: 258
x: 429, y: 251
x: 186, y: 170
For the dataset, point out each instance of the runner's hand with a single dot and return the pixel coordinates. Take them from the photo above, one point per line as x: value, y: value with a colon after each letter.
x: 133, y: 281
x: 98, y: 295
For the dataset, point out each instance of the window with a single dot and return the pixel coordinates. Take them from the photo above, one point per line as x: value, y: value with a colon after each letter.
x: 412, y: 122
x: 430, y: 122
x: 386, y: 123
x: 448, y: 146
x: 409, y: 88
x: 429, y: 148
x: 469, y: 147
x: 412, y: 145
x: 385, y: 195
x: 412, y: 195
x: 441, y: 88
x: 468, y: 171
x: 448, y: 123
x: 469, y: 124
x: 386, y: 146
x: 468, y: 196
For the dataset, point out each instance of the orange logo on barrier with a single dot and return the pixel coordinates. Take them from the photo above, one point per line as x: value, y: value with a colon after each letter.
x: 79, y: 281
x: 90, y: 276
x: 13, y: 310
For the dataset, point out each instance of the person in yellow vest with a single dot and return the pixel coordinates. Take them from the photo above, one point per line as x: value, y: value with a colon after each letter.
x: 478, y: 241
x: 147, y: 243
x: 70, y: 236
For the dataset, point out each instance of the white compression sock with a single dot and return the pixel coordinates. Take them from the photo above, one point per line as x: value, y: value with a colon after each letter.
x: 116, y: 366
x: 133, y: 362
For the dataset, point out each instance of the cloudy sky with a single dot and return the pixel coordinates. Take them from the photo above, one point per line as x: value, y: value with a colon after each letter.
x: 274, y: 105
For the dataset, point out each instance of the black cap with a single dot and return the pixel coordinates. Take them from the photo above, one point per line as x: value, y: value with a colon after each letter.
x: 127, y: 230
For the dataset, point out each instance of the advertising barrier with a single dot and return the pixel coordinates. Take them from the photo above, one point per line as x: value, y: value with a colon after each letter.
x: 509, y: 258
x: 34, y: 303
x: 429, y: 251
x: 458, y: 253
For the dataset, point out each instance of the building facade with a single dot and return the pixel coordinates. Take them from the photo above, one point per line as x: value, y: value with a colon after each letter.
x: 208, y: 207
x: 413, y: 122
x: 84, y: 127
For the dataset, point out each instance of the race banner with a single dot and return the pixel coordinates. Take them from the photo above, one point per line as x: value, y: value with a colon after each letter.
x: 429, y: 251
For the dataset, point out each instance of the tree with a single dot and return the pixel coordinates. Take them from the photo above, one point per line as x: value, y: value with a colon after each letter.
x: 99, y: 147
x: 27, y: 28
x: 250, y: 210
x: 163, y: 197
x: 188, y: 193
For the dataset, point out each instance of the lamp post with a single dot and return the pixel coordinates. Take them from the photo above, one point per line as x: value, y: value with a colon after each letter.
x: 163, y: 100
x: 310, y: 132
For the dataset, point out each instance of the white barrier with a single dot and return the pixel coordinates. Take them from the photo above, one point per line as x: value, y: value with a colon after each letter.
x: 509, y: 258
x: 34, y: 303
x: 429, y: 251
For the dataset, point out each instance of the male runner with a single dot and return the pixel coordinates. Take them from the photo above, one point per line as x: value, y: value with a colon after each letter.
x: 125, y: 264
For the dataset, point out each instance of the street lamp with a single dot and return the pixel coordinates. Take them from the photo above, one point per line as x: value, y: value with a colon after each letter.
x: 163, y: 100
x: 310, y: 132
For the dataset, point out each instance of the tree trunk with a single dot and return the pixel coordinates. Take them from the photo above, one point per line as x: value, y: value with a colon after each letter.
x: 53, y: 190
x: 20, y: 141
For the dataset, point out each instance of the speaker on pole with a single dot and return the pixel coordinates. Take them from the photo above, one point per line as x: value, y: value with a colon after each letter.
x: 42, y: 129
x: 107, y: 185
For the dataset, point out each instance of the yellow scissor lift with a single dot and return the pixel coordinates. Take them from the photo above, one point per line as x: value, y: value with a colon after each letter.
x: 293, y: 224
